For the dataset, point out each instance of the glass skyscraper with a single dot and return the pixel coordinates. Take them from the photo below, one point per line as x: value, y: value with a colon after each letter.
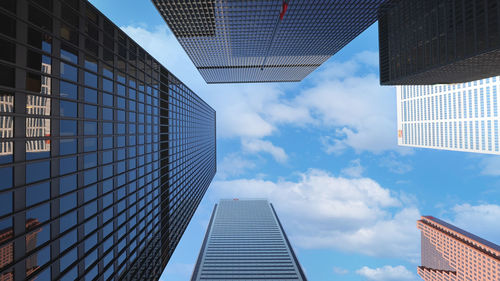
x: 428, y: 42
x: 462, y: 117
x: 246, y: 241
x: 233, y: 41
x: 104, y: 154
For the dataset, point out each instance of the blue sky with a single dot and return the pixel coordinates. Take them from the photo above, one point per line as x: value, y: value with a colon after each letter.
x: 324, y: 152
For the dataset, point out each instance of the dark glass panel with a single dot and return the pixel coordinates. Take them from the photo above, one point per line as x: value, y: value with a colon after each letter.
x: 68, y: 53
x: 39, y: 18
x: 9, y: 5
x: 69, y: 15
x: 39, y: 40
x: 7, y: 51
x: 91, y: 64
x: 69, y: 34
x: 7, y: 26
x: 7, y: 75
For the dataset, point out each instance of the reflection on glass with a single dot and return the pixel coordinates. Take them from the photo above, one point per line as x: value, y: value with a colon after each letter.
x: 37, y: 127
x: 6, y: 250
x: 6, y: 127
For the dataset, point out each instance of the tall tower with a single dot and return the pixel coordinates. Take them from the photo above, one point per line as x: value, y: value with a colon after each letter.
x: 246, y: 241
x: 450, y: 253
x: 461, y: 117
x: 104, y: 154
x: 233, y: 41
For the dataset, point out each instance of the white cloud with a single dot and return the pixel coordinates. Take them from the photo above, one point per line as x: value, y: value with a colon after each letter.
x: 354, y: 169
x: 233, y: 165
x: 481, y: 220
x: 340, y: 270
x: 387, y: 273
x: 396, y: 164
x: 490, y: 166
x: 256, y: 146
x: 324, y: 211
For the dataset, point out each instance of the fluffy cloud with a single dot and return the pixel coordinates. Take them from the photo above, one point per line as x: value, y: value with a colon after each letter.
x: 354, y: 169
x: 256, y: 146
x: 324, y: 211
x: 387, y: 273
x: 233, y: 165
x: 340, y: 270
x: 481, y: 220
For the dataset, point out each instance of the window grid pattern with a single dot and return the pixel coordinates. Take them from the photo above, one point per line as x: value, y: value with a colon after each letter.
x: 245, y: 241
x: 86, y: 160
x: 462, y: 118
x: 245, y: 41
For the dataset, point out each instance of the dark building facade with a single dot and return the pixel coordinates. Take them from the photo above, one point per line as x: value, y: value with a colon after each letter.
x: 246, y: 241
x: 439, y: 41
x: 246, y: 41
x: 104, y: 154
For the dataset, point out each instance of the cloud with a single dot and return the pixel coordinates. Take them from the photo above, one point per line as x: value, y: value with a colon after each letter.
x: 490, y: 166
x: 396, y: 164
x: 354, y: 169
x: 481, y: 220
x: 233, y: 165
x: 256, y: 146
x: 387, y: 273
x: 340, y: 270
x: 320, y: 210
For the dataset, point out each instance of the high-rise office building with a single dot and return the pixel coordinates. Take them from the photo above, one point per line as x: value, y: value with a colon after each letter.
x: 104, y: 154
x: 452, y: 254
x: 246, y: 241
x: 430, y: 42
x: 233, y: 41
x: 462, y: 117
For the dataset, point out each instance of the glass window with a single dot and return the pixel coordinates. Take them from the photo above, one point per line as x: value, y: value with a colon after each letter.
x: 90, y: 95
x: 107, y: 128
x: 67, y: 260
x: 71, y: 275
x: 39, y: 259
x: 90, y: 128
x: 37, y: 193
x: 107, y: 85
x: 39, y: 40
x: 67, y: 184
x: 120, y: 89
x: 68, y: 90
x: 67, y: 146
x: 90, y: 111
x: 67, y: 128
x: 90, y: 79
x: 90, y: 144
x: 69, y: 72
x: 67, y: 221
x: 90, y: 176
x: 90, y: 193
x: 90, y: 160
x: 67, y: 165
x: 91, y: 64
x: 6, y: 176
x: 107, y: 99
x: 37, y: 171
x: 39, y: 18
x: 6, y: 206
x: 107, y: 114
x: 69, y: 54
x: 67, y: 203
x: 107, y: 157
x: 69, y: 34
x: 68, y: 109
x: 7, y: 75
x: 90, y: 259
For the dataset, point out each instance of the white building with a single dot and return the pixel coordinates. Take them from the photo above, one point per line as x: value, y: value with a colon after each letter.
x: 461, y: 117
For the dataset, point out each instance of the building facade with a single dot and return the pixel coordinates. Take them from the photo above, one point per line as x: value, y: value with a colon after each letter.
x: 430, y: 42
x: 104, y: 154
x: 232, y: 41
x: 461, y: 117
x: 452, y: 254
x: 246, y: 241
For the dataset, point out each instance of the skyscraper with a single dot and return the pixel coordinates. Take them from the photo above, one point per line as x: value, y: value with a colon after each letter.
x: 452, y: 254
x: 233, y: 41
x: 246, y: 241
x: 104, y: 154
x: 430, y: 42
x: 461, y: 117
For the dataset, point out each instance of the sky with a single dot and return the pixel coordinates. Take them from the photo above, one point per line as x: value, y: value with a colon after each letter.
x: 324, y: 152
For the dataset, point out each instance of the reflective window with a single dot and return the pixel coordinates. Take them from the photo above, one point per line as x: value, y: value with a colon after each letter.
x: 107, y: 128
x: 39, y: 18
x: 90, y: 176
x: 90, y: 259
x: 107, y: 114
x: 90, y: 144
x: 37, y: 193
x: 69, y: 54
x: 68, y: 109
x: 67, y: 203
x: 6, y: 206
x: 68, y: 90
x: 90, y: 160
x: 120, y: 89
x: 90, y: 193
x: 67, y: 184
x: 67, y: 128
x: 67, y: 146
x: 6, y: 176
x: 90, y: 95
x: 39, y: 40
x: 67, y: 165
x: 7, y: 75
x: 90, y: 128
x: 90, y: 79
x: 107, y: 99
x: 68, y: 259
x: 37, y: 171
x: 91, y: 64
x: 37, y: 260
x: 107, y: 85
x: 90, y: 226
x: 90, y: 111
x: 71, y: 275
x: 66, y: 222
x: 69, y: 72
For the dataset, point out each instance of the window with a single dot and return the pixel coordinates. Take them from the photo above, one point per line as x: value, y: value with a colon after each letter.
x: 68, y: 109
x: 67, y: 146
x: 67, y: 184
x: 37, y: 171
x: 68, y: 90
x: 69, y: 72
